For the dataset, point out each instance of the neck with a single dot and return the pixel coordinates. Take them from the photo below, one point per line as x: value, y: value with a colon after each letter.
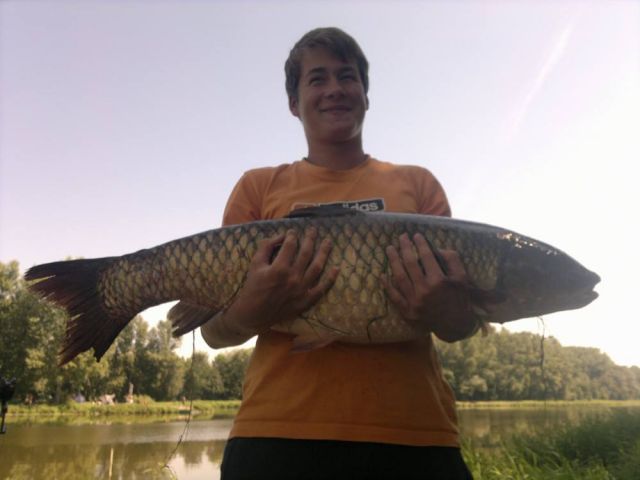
x: 337, y: 156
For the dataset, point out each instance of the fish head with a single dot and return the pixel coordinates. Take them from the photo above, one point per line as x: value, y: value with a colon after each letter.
x: 537, y: 279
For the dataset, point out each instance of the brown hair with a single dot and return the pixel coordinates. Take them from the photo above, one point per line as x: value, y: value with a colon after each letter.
x: 338, y: 42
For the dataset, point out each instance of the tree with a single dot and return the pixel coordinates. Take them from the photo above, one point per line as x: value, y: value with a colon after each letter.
x: 232, y: 367
x: 202, y: 379
x: 519, y: 366
x: 161, y: 370
x: 161, y: 339
x: 128, y: 346
x: 30, y: 332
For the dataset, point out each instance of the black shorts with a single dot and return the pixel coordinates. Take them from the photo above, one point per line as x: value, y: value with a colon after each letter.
x: 279, y: 458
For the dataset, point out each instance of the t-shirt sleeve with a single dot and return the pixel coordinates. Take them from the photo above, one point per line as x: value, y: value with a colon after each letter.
x: 244, y: 204
x: 433, y: 199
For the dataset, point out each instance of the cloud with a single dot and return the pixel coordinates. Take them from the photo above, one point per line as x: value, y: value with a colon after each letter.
x: 554, y: 56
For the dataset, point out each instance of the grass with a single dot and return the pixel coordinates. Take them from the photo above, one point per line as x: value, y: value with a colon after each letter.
x: 498, y: 404
x: 143, y: 407
x: 597, y: 449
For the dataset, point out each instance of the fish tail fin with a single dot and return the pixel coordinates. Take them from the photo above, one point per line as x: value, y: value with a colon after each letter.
x: 73, y: 285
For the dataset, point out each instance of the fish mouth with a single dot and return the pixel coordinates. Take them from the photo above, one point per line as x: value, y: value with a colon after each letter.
x: 574, y: 301
x: 581, y: 295
x: 583, y: 299
x: 526, y: 306
x: 588, y: 295
x: 594, y: 279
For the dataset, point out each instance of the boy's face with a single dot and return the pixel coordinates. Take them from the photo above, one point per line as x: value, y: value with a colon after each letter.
x: 331, y: 101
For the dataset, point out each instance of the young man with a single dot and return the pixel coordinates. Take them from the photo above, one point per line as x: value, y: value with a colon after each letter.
x: 341, y: 411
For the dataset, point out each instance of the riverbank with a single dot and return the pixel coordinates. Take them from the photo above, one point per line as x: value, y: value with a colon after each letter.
x: 227, y: 407
x: 499, y: 404
x: 142, y: 408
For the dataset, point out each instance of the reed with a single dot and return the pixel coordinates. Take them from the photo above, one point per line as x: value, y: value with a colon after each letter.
x: 600, y: 448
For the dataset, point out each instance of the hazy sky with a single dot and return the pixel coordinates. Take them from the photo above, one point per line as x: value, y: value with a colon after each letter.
x: 126, y: 124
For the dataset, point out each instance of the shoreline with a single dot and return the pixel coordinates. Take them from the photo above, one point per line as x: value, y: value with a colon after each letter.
x: 229, y: 407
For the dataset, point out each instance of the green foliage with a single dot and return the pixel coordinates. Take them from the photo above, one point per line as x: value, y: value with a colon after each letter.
x: 599, y: 448
x: 30, y: 330
x: 163, y: 375
x: 202, y: 378
x: 232, y: 367
x: 525, y: 366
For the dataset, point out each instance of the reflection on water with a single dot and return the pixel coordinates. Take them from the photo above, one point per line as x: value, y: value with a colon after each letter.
x: 139, y: 450
x: 70, y: 452
x: 130, y: 461
x: 488, y: 428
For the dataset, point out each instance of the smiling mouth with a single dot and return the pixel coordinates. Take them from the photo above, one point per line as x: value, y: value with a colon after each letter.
x: 335, y: 109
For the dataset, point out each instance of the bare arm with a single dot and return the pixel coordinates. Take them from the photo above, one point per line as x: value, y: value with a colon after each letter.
x: 276, y: 289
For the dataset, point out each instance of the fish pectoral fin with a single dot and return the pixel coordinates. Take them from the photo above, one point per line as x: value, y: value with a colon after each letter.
x: 486, y: 299
x: 186, y: 316
x: 308, y: 343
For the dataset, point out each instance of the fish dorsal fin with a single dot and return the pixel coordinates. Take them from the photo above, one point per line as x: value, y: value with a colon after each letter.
x: 323, y: 211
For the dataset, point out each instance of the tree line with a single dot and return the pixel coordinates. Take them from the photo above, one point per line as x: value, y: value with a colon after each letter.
x: 525, y: 366
x: 498, y: 366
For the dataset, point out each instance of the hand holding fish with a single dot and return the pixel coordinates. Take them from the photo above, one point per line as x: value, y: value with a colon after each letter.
x: 283, y: 281
x: 427, y: 297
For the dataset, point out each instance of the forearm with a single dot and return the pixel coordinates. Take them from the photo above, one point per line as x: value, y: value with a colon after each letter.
x: 222, y: 330
x: 247, y: 316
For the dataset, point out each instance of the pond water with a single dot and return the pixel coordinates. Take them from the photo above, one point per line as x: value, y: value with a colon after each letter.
x: 119, y: 450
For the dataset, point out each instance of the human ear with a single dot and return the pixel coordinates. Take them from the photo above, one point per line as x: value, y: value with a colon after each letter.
x: 293, y: 107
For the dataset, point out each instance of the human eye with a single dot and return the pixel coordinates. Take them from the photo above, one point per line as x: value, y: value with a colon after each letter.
x: 349, y: 75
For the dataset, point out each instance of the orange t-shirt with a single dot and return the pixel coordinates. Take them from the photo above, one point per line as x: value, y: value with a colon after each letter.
x: 390, y: 393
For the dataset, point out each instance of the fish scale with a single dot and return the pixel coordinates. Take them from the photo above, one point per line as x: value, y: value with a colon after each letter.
x: 510, y: 276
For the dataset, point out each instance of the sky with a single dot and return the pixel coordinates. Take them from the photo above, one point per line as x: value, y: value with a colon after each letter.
x: 125, y: 124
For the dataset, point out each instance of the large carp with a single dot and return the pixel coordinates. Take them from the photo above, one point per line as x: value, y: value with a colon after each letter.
x: 522, y: 276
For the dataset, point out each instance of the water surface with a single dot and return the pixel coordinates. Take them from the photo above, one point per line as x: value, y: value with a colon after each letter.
x: 117, y: 450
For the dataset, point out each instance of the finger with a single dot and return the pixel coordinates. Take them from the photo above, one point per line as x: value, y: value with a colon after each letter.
x: 314, y: 294
x: 455, y: 267
x: 305, y: 254
x: 411, y: 260
x: 399, y: 276
x: 266, y: 249
x: 287, y: 251
x: 436, y: 254
x: 429, y: 258
x: 317, y: 265
x: 394, y: 295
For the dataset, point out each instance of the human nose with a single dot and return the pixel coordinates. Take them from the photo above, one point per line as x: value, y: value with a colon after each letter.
x: 334, y: 89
